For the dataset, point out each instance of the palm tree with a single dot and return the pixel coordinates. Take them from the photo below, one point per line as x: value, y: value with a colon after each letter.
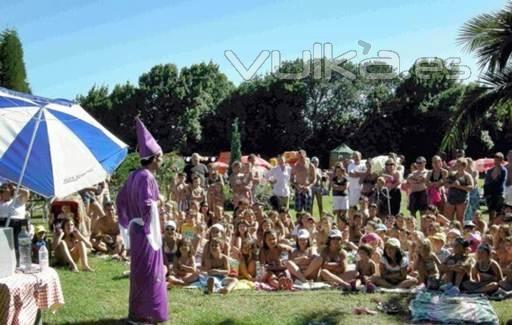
x: 489, y: 37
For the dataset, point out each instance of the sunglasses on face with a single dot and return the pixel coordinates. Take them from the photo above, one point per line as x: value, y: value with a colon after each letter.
x: 390, y: 164
x: 170, y: 229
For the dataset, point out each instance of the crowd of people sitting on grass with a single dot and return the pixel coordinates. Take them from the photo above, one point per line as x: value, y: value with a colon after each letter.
x: 444, y: 242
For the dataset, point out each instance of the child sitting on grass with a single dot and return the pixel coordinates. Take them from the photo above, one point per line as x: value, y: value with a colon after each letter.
x: 438, y: 246
x: 427, y: 265
x: 324, y: 226
x: 365, y: 266
x: 170, y: 241
x: 247, y: 260
x: 334, y: 267
x: 304, y: 263
x: 393, y: 267
x: 456, y: 269
x: 272, y: 255
x: 486, y: 273
x: 505, y: 285
x: 215, y: 265
x: 184, y: 270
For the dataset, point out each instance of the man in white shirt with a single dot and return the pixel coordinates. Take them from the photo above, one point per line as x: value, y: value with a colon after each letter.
x: 356, y: 169
x: 279, y: 177
x: 15, y: 208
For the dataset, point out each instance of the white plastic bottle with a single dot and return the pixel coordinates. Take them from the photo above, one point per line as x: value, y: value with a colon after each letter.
x: 25, y: 250
x: 259, y: 273
x: 43, y: 258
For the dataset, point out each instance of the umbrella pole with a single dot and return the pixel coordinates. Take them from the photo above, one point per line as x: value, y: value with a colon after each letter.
x: 24, y: 167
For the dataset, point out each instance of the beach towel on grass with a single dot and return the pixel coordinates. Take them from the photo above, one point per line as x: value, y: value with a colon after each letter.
x: 240, y: 285
x: 311, y: 286
x: 396, y: 290
x: 436, y: 307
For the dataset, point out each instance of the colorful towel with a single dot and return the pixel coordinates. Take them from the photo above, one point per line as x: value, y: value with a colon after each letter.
x: 436, y: 307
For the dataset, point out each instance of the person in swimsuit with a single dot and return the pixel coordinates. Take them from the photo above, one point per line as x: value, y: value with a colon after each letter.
x: 435, y: 179
x: 486, y: 273
x: 215, y: 193
x: 334, y: 267
x: 368, y: 181
x: 215, y: 267
x: 340, y: 186
x: 71, y: 246
x: 494, y: 187
x: 393, y: 180
x: 304, y: 263
x: 393, y: 267
x: 459, y: 184
x: 317, y: 188
x: 474, y: 195
x: 457, y: 267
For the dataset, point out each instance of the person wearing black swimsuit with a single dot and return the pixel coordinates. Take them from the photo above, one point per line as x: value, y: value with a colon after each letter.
x: 486, y: 273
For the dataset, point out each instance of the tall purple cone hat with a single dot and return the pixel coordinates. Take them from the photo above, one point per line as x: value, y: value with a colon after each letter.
x: 148, y: 146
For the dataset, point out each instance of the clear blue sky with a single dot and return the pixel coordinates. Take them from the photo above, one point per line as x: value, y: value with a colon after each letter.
x: 72, y: 45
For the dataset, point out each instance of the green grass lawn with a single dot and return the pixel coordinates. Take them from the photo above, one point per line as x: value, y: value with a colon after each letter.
x: 102, y: 298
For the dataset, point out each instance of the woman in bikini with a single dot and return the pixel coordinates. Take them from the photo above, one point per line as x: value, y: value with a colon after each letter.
x: 435, y: 179
x: 393, y: 179
x: 459, y: 184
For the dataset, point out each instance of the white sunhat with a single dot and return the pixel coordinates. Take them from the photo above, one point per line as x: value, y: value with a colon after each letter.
x: 219, y: 227
x: 335, y: 233
x: 303, y: 234
x: 170, y: 223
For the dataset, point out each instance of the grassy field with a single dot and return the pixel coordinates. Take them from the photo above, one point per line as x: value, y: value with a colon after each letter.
x: 102, y: 298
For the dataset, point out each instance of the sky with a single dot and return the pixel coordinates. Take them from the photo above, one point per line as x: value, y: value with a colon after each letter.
x: 72, y: 45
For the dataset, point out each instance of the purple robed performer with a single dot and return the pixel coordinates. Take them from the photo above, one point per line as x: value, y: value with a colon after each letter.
x: 140, y: 227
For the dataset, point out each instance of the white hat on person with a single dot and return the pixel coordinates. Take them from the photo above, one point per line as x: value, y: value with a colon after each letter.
x: 170, y: 223
x: 303, y: 234
x: 219, y: 227
x: 335, y: 233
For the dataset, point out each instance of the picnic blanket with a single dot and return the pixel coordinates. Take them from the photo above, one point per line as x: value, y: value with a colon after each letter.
x: 240, y: 285
x: 464, y: 309
x: 249, y: 285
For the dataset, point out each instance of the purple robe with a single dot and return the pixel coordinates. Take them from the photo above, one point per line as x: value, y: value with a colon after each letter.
x: 138, y: 214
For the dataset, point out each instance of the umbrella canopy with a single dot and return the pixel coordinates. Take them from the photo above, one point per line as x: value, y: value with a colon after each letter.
x: 224, y: 157
x: 70, y: 149
x: 483, y: 164
x: 220, y: 167
x: 291, y: 157
x: 258, y: 162
x: 378, y: 163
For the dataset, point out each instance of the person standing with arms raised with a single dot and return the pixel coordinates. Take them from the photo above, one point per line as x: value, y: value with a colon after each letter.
x: 137, y: 205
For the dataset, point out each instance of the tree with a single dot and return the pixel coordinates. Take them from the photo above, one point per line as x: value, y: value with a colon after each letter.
x: 489, y: 36
x: 12, y: 67
x: 236, y: 143
x: 419, y: 113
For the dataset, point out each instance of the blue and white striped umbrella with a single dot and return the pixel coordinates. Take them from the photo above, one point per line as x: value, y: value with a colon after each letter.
x: 70, y: 151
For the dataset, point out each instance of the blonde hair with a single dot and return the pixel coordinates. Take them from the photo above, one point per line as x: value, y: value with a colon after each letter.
x: 463, y: 161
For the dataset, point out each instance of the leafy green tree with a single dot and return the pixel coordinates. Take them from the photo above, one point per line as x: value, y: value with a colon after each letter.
x: 489, y: 37
x: 236, y: 143
x: 12, y: 67
x: 413, y: 121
